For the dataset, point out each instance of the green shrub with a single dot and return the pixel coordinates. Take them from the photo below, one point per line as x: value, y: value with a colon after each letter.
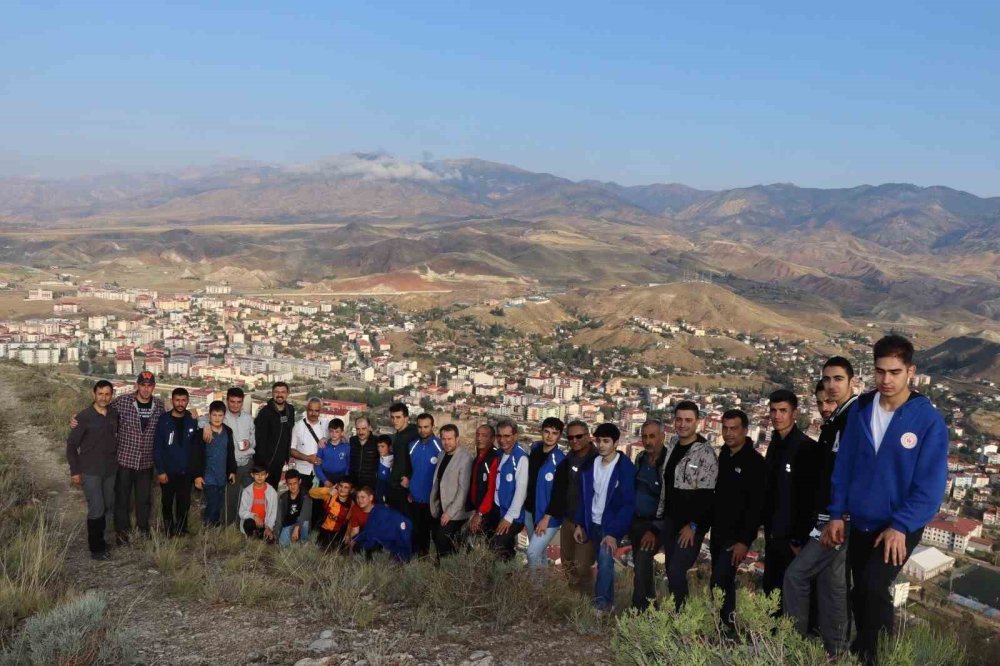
x: 76, y: 632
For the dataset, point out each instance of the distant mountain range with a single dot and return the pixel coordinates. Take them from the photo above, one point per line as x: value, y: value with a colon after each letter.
x: 898, y: 253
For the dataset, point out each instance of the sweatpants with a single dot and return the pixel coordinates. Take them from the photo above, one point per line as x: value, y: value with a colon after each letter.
x: 577, y: 558
x: 133, y: 486
x: 175, y: 500
x: 99, y: 492
x: 423, y: 523
x: 872, y: 595
x: 828, y: 568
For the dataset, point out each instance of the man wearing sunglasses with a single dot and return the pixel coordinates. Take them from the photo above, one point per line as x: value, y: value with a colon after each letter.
x: 577, y: 558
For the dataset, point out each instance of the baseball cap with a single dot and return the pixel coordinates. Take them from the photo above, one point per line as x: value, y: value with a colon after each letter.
x: 145, y: 377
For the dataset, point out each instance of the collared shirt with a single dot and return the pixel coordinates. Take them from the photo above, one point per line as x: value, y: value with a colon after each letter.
x: 135, y: 443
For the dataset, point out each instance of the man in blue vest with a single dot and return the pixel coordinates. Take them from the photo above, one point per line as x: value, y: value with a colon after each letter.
x: 507, y: 517
x: 423, y: 452
x: 604, y: 514
x: 889, y: 476
x: 648, y: 521
x: 543, y: 460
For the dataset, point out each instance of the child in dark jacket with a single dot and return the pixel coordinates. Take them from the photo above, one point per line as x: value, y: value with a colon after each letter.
x: 214, y: 463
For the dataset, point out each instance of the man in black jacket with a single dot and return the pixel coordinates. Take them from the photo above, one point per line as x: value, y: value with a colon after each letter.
x: 273, y: 427
x: 824, y: 563
x: 399, y: 477
x: 364, y: 455
x: 577, y: 558
x: 792, y: 463
x: 739, y: 496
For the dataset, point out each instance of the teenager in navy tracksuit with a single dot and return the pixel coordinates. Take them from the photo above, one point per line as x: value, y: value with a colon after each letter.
x: 383, y: 486
x: 543, y: 460
x: 889, y: 477
x: 424, y: 453
x: 604, y: 514
x: 172, y: 451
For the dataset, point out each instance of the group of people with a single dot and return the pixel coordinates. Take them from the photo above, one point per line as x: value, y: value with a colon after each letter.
x: 851, y: 506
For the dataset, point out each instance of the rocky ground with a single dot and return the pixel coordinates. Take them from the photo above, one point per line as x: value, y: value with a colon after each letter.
x: 169, y: 630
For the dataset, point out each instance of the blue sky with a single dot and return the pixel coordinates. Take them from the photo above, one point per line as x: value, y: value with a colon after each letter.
x: 709, y: 94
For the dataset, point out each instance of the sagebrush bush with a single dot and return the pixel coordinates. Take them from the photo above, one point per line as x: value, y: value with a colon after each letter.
x: 76, y: 632
x: 695, y: 637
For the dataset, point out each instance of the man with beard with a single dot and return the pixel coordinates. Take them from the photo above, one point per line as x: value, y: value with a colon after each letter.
x: 577, y: 558
x: 689, y: 477
x: 173, y: 458
x: 824, y: 564
x: 647, y: 523
x: 364, y: 455
x: 273, y: 426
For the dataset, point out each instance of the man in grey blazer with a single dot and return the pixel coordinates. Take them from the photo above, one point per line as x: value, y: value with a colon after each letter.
x: 451, y: 486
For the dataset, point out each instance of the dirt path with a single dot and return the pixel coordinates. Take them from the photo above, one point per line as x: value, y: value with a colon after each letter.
x: 169, y: 630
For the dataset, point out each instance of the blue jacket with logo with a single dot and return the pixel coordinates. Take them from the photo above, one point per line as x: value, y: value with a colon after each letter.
x: 902, y: 485
x: 172, y: 454
x: 424, y: 455
x: 335, y: 462
x: 507, y: 481
x: 389, y: 529
x: 544, y: 482
x: 620, y: 504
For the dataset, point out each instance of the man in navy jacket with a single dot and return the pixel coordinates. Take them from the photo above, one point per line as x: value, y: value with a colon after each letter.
x: 172, y: 456
x: 604, y: 514
x: 889, y: 477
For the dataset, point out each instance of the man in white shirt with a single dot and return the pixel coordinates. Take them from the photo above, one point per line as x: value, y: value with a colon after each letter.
x: 307, y: 436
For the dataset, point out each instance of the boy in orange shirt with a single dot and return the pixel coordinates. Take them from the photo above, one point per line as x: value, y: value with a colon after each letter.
x: 259, y: 506
x: 336, y: 507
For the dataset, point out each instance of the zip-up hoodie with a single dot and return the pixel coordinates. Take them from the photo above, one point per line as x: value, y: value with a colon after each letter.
x: 828, y: 444
x: 382, y: 488
x: 172, y: 451
x: 902, y: 485
x: 620, y: 503
x: 424, y: 454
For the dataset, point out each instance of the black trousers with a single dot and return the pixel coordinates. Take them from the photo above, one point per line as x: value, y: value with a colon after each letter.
x: 423, y: 524
x: 447, y: 538
x: 504, y: 545
x: 871, y: 598
x: 777, y: 556
x: 137, y: 485
x: 724, y: 578
x: 175, y: 501
x: 253, y: 532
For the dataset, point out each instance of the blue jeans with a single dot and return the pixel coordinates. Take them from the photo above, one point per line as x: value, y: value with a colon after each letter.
x: 215, y: 498
x: 537, y: 559
x: 285, y: 536
x: 604, y: 589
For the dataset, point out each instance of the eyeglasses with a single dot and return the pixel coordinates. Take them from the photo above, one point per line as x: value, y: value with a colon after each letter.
x: 571, y: 438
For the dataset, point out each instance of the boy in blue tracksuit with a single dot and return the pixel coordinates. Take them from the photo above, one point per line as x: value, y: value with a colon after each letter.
x: 386, y: 530
x: 335, y: 456
x: 604, y: 514
x: 382, y: 480
x: 889, y: 477
x: 172, y: 451
x: 543, y: 459
x: 424, y: 453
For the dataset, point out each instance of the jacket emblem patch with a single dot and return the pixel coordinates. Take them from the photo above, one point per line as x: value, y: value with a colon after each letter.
x: 908, y: 440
